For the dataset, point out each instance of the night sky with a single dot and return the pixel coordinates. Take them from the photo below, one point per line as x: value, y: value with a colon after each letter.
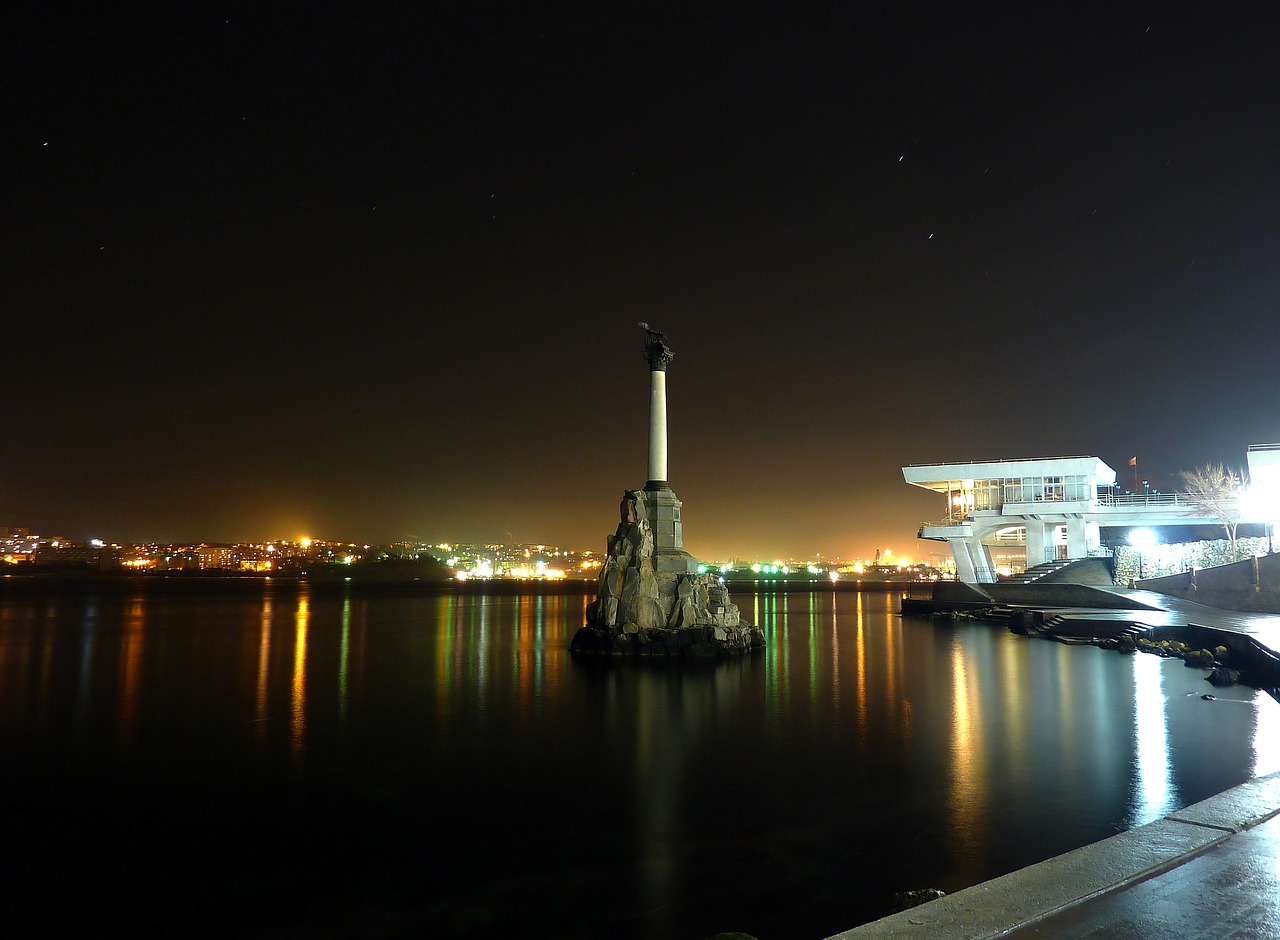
x: 373, y: 274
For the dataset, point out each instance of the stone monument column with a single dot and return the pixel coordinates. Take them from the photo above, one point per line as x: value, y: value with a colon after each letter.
x: 661, y: 505
x: 658, y: 354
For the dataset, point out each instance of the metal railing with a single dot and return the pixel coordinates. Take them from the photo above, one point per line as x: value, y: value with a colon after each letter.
x: 1142, y: 499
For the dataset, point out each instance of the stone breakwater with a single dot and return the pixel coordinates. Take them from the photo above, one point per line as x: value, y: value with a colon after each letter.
x: 642, y: 608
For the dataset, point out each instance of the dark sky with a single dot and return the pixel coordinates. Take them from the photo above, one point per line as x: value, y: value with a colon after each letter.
x: 274, y: 269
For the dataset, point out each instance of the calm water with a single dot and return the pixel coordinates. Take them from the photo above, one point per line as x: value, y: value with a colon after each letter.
x: 306, y: 764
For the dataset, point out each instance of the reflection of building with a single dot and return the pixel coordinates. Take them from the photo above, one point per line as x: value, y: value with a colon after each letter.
x: 1057, y: 506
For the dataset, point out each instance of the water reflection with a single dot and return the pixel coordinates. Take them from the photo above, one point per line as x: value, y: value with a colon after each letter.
x: 264, y: 666
x: 298, y: 711
x: 1155, y: 796
x: 835, y: 655
x: 664, y: 723
x: 1014, y: 715
x: 1266, y: 735
x: 861, y: 627
x: 447, y: 616
x: 86, y: 663
x: 129, y: 676
x: 458, y: 727
x: 968, y: 796
x: 344, y: 651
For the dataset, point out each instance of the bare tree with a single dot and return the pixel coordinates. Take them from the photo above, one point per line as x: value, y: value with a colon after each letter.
x: 1216, y: 490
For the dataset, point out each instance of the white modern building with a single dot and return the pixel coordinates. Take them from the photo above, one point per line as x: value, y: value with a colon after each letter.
x: 1264, y: 473
x: 1058, y: 506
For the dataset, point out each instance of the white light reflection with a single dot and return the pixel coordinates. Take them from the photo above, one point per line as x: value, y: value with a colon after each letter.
x: 1155, y: 794
x: 343, y: 651
x: 298, y: 727
x: 1266, y: 735
x: 264, y: 671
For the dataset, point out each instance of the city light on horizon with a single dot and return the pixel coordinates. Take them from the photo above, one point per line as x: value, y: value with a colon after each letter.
x: 540, y: 561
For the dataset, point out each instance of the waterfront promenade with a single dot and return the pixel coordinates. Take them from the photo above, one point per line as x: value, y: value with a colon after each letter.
x: 1211, y: 870
x: 1253, y: 638
x: 1079, y: 612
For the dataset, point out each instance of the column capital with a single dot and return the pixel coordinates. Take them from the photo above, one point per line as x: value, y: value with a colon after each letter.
x: 656, y: 351
x: 658, y: 355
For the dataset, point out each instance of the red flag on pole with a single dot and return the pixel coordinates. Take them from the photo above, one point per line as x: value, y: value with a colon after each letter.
x: 1133, y: 461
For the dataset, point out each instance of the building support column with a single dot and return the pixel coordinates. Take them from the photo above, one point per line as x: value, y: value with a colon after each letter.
x: 987, y: 569
x: 1092, y: 538
x: 973, y: 561
x: 1036, y: 538
x: 1077, y: 543
x: 964, y: 564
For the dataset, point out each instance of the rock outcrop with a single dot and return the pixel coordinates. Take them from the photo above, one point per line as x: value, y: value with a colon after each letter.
x: 1223, y: 676
x: 641, y: 609
x: 905, y: 900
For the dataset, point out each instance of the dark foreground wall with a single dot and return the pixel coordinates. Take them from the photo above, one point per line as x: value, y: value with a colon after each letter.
x: 1038, y: 594
x: 1251, y: 585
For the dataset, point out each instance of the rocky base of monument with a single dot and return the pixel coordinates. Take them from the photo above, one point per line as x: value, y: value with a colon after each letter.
x: 712, y: 632
x: 644, y: 609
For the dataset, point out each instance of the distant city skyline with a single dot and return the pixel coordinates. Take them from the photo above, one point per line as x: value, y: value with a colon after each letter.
x: 442, y: 548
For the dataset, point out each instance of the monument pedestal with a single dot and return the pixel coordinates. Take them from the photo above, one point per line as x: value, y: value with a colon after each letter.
x: 651, y: 601
x: 662, y: 510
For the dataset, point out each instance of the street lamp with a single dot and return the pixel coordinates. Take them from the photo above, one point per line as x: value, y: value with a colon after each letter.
x: 1142, y: 540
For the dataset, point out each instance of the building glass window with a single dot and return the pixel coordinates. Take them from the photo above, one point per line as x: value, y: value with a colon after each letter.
x: 987, y: 494
x: 1077, y: 488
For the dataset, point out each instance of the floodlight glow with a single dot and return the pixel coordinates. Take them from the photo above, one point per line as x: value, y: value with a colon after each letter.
x: 1143, y: 539
x: 1261, y: 503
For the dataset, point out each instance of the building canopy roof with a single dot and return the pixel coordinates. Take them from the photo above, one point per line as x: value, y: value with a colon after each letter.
x: 941, y: 477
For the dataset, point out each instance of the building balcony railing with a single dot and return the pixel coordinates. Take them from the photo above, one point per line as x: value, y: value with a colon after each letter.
x: 1142, y: 499
x: 956, y: 520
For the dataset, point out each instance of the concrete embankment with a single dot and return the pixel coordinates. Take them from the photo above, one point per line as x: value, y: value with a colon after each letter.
x: 948, y: 596
x: 1082, y: 613
x: 1250, y: 585
x: 1085, y: 892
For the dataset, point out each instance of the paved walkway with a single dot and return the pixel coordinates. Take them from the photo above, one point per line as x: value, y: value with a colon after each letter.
x: 1254, y: 636
x: 1211, y: 870
x: 1232, y: 890
x: 1264, y: 628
